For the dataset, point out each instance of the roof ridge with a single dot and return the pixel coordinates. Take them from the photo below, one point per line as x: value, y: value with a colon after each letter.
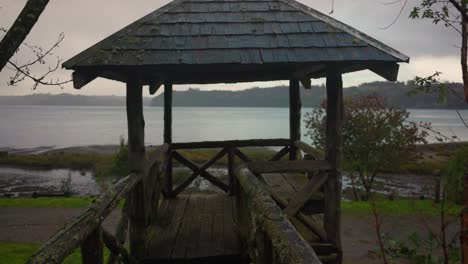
x: 110, y: 39
x: 346, y: 28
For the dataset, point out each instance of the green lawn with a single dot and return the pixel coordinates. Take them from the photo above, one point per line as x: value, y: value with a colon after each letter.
x: 397, y: 207
x: 13, y: 253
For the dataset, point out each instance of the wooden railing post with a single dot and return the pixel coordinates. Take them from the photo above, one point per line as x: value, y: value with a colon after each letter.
x: 334, y: 149
x: 136, y: 155
x: 294, y: 117
x: 231, y: 173
x: 168, y: 189
x: 92, y: 248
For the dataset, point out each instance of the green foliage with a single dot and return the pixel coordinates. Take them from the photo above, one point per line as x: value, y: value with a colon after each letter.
x: 120, y: 164
x: 375, y: 135
x: 100, y: 163
x: 14, y: 253
x: 45, y: 202
x: 399, y: 207
x: 422, y: 249
x: 453, y: 176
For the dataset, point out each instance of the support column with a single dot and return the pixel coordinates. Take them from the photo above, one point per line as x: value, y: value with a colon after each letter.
x: 334, y: 151
x: 294, y: 117
x: 136, y: 156
x: 168, y: 136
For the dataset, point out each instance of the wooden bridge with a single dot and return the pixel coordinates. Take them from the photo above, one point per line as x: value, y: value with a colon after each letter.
x: 270, y: 212
x: 284, y: 210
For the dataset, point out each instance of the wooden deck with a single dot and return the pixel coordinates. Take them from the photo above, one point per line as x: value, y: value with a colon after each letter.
x: 195, y: 228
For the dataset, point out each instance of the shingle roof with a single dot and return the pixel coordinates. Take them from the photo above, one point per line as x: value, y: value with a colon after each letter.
x: 196, y: 32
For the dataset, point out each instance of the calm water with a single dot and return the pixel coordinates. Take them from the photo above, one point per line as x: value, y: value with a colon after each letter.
x: 35, y: 126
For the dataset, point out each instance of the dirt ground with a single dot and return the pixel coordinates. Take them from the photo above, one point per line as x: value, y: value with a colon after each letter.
x: 36, y: 225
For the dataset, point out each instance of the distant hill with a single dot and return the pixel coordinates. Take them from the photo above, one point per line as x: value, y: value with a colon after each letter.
x: 396, y: 94
x: 65, y: 100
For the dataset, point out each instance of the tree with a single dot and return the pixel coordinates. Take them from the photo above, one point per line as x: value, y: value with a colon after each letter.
x: 14, y: 39
x: 375, y: 136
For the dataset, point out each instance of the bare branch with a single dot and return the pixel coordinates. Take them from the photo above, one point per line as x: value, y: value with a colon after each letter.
x: 20, y: 29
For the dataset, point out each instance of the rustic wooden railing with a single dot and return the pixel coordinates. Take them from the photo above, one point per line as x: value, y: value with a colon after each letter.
x: 86, y: 230
x: 268, y: 234
x: 229, y: 148
x: 255, y: 197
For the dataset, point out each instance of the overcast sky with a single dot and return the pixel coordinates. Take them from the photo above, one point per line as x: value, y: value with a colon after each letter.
x: 86, y: 22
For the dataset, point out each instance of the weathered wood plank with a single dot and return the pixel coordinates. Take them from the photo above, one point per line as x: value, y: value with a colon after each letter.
x: 92, y: 248
x: 180, y: 246
x: 304, y: 195
x: 206, y: 237
x: 294, y: 116
x: 120, y: 233
x: 218, y: 228
x: 231, y: 243
x: 195, y: 226
x: 288, y: 166
x: 334, y: 145
x: 233, y: 144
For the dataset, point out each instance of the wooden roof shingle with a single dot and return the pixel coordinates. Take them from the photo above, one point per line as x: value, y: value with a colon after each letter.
x: 244, y: 32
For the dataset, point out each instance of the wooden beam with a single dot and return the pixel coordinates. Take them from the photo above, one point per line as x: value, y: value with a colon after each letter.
x: 334, y: 146
x: 136, y: 157
x: 305, y: 193
x: 81, y: 78
x: 154, y: 86
x: 307, y: 149
x: 116, y: 248
x: 306, y: 83
x: 294, y: 116
x: 283, y: 152
x: 234, y: 144
x: 389, y: 71
x: 168, y: 185
x: 285, y: 166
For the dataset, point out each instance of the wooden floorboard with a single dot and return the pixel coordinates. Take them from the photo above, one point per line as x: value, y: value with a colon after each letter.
x: 194, y: 227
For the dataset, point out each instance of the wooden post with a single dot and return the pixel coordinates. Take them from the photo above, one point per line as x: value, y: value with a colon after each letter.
x: 136, y: 156
x: 168, y: 136
x: 334, y: 149
x: 231, y: 173
x: 294, y: 117
x: 92, y: 248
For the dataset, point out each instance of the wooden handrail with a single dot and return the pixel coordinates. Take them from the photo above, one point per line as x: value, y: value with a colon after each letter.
x: 287, y: 166
x: 233, y: 144
x: 66, y: 240
x: 308, y: 149
x: 284, y: 239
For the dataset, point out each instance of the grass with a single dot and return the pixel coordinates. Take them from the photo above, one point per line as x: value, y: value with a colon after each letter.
x: 400, y: 208
x: 396, y: 207
x: 105, y: 164
x: 13, y: 253
x: 45, y: 202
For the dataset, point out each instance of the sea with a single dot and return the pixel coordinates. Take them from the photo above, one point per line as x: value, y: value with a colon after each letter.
x: 67, y: 126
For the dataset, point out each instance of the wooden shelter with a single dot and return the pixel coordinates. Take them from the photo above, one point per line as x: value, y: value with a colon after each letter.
x: 229, y: 41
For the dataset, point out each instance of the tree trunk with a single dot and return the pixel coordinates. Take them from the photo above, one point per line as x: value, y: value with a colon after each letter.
x: 20, y: 29
x: 464, y: 52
